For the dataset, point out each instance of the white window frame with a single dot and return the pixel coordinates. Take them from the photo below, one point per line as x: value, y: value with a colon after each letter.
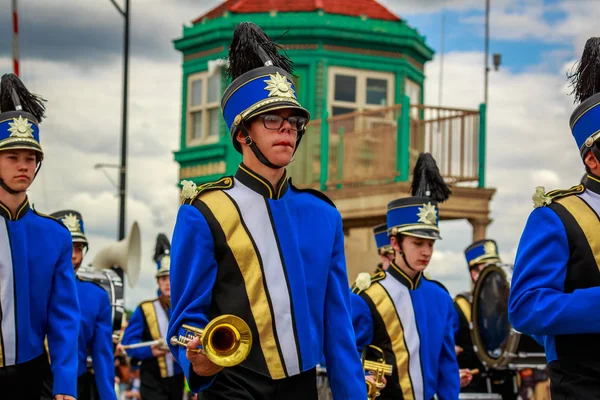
x: 413, y: 89
x: 204, y: 108
x: 361, y: 76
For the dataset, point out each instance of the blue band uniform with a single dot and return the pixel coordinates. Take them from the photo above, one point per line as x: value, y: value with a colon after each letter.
x: 149, y: 322
x: 555, y: 282
x: 95, y: 334
x: 418, y: 339
x: 273, y: 256
x: 38, y: 294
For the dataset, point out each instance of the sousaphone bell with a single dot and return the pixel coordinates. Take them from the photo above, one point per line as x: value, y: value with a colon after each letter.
x: 126, y: 254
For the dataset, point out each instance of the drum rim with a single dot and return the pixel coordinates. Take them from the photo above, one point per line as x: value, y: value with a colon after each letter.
x: 513, y: 337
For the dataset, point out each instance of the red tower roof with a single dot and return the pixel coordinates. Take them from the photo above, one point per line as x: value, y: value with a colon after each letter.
x: 370, y: 8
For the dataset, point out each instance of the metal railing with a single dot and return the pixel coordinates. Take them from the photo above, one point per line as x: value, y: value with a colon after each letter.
x: 451, y: 135
x: 378, y: 146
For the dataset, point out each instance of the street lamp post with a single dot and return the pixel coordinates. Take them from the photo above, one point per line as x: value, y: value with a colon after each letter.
x: 123, y: 167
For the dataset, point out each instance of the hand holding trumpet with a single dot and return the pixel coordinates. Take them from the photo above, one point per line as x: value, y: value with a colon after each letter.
x: 200, y: 363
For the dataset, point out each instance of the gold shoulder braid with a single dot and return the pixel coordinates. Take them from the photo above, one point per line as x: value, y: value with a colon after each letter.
x: 541, y: 199
x: 190, y: 192
x: 365, y: 280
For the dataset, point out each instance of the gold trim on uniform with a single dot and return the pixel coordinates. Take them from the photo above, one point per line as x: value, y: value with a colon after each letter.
x: 258, y: 178
x: 393, y: 326
x: 150, y: 315
x: 583, y: 113
x: 248, y: 113
x: 464, y: 306
x: 592, y: 178
x: 414, y: 284
x: 246, y: 258
x: 587, y: 220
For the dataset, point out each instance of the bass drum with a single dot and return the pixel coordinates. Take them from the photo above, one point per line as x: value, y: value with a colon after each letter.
x: 112, y: 283
x: 495, y: 341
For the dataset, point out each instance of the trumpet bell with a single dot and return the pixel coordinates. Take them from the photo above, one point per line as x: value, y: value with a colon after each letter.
x: 227, y: 340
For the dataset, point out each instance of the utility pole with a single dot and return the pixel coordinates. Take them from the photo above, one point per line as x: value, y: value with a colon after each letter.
x: 487, y: 50
x: 123, y: 165
x: 15, y: 41
x: 441, y: 80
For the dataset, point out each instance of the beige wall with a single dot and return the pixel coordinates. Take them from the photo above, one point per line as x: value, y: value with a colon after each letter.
x: 361, y: 253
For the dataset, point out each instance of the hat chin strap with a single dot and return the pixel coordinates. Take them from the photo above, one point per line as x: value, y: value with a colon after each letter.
x: 404, y: 256
x: 596, y: 150
x: 259, y: 155
x: 12, y: 191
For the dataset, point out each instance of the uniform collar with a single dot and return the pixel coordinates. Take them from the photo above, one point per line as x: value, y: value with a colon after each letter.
x: 21, y: 211
x: 403, y: 278
x: 592, y: 182
x: 261, y: 185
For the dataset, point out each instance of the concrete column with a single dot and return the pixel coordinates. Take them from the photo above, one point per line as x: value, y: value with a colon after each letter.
x: 479, y: 228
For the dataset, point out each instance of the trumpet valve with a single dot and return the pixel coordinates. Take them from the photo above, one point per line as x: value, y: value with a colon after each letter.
x: 183, y: 342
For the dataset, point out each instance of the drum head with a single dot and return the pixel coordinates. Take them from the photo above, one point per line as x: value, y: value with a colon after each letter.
x: 491, y: 332
x: 112, y: 284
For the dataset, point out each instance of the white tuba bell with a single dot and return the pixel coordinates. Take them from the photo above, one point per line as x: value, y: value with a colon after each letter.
x: 126, y: 254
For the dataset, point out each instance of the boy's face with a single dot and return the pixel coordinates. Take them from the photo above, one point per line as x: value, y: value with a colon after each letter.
x: 17, y: 168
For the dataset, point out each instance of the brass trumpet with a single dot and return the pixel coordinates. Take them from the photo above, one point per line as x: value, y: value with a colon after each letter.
x: 226, y: 340
x: 379, y: 368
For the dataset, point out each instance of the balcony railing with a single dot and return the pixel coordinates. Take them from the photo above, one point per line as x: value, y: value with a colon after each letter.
x: 381, y: 146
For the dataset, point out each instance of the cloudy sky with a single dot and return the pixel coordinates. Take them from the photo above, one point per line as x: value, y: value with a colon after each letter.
x: 71, y: 53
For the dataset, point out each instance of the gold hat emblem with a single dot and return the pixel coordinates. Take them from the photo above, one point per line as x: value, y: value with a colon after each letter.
x: 279, y: 86
x: 427, y: 214
x: 489, y: 248
x: 21, y: 128
x: 72, y: 222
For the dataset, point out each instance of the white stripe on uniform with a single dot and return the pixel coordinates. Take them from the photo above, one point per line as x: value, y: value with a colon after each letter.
x: 256, y: 217
x: 7, y: 297
x: 163, y: 323
x: 400, y: 296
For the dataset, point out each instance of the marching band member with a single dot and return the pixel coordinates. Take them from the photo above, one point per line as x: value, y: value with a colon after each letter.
x: 95, y: 330
x: 38, y: 296
x: 384, y: 247
x: 161, y: 377
x: 478, y: 255
x: 411, y: 316
x: 556, y: 281
x: 255, y: 246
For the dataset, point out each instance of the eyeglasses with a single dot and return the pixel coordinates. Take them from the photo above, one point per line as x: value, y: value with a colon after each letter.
x: 275, y: 122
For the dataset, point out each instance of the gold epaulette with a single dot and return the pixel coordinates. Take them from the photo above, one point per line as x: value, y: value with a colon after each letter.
x: 541, y: 199
x: 225, y: 182
x: 52, y: 218
x: 358, y: 287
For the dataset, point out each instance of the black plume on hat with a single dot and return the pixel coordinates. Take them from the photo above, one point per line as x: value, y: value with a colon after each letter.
x: 251, y: 48
x: 14, y: 96
x: 586, y: 79
x: 163, y: 247
x: 427, y: 180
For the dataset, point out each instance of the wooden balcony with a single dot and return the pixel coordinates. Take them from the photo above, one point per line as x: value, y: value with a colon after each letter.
x: 364, y: 159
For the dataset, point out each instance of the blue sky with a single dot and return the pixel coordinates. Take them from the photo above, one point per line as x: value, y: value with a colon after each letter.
x: 465, y: 31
